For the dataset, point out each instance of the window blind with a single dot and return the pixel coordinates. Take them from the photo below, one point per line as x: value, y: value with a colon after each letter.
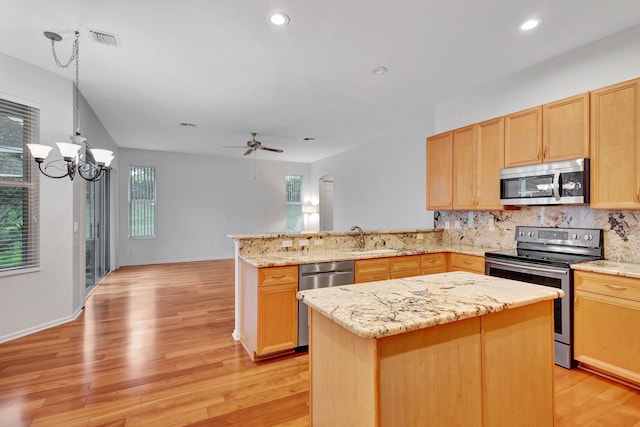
x: 142, y: 202
x: 19, y: 188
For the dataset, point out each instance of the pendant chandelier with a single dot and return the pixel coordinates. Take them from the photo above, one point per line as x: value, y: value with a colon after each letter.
x: 95, y: 161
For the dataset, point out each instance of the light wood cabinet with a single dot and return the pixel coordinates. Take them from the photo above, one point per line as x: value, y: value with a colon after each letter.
x: 606, y: 316
x: 404, y: 266
x: 439, y: 171
x: 464, y: 168
x: 464, y: 262
x: 615, y: 146
x: 565, y: 129
x: 371, y: 270
x: 490, y: 159
x: 523, y: 137
x: 269, y: 309
x: 433, y: 263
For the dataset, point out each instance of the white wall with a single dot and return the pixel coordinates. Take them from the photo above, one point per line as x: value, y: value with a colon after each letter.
x: 381, y: 185
x: 201, y: 199
x: 608, y: 61
x: 32, y: 301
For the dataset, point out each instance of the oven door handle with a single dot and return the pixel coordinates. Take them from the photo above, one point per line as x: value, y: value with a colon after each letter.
x: 528, y: 267
x: 556, y: 186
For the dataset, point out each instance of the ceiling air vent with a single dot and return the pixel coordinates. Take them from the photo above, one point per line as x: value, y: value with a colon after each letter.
x: 105, y: 38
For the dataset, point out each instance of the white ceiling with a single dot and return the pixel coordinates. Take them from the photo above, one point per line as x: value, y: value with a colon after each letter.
x: 221, y: 65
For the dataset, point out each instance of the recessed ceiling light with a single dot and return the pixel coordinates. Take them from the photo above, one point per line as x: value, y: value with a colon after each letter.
x: 308, y: 139
x: 279, y: 18
x: 530, y: 24
x: 188, y: 125
x: 379, y: 70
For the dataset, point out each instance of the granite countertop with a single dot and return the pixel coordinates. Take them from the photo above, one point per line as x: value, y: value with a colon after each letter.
x: 624, y: 269
x: 390, y: 307
x: 274, y: 259
x: 329, y: 233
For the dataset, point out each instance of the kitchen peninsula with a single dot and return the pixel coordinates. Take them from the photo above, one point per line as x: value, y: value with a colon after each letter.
x: 445, y: 349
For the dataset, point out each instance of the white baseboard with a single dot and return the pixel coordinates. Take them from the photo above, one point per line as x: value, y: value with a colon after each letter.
x: 41, y: 327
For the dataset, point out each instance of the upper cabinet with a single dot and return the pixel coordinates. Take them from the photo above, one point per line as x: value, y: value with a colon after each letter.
x: 615, y: 146
x: 523, y: 138
x: 439, y: 171
x: 477, y: 160
x: 565, y: 129
x: 555, y: 131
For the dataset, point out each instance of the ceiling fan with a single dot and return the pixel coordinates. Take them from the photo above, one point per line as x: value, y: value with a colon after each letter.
x: 254, y: 145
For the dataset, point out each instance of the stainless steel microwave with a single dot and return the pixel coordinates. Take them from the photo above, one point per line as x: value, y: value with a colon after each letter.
x: 554, y: 183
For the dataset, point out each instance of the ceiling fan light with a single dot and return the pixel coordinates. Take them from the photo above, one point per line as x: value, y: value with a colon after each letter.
x: 39, y: 151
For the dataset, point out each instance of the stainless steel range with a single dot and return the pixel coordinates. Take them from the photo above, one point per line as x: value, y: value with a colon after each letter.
x: 544, y: 256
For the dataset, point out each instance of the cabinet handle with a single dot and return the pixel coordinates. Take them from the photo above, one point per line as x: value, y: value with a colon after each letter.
x: 430, y: 260
x: 277, y: 276
x: 638, y: 195
x: 544, y: 152
x: 468, y: 262
x: 615, y: 287
x: 538, y: 154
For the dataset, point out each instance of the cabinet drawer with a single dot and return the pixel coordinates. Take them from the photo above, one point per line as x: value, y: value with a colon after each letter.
x: 405, y: 273
x: 605, y: 284
x: 407, y: 262
x: 372, y: 266
x: 434, y: 261
x: 278, y: 275
x: 471, y: 263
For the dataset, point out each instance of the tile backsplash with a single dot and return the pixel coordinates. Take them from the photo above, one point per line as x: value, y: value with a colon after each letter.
x: 497, y: 228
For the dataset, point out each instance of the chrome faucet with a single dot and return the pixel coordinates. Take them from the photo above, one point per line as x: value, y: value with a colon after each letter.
x: 359, y: 237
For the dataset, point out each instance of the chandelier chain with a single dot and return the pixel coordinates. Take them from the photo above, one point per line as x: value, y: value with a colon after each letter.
x: 75, y: 54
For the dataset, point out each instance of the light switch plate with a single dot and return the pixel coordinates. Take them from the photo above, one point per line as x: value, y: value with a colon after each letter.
x: 447, y: 225
x: 456, y: 225
x: 419, y: 236
x: 318, y: 242
x: 303, y: 242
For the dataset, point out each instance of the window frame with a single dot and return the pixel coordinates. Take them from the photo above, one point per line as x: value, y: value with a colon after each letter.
x: 297, y: 204
x: 30, y: 181
x: 152, y: 202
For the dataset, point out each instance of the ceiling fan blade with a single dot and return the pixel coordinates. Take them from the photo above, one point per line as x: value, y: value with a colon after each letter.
x: 249, y: 151
x: 275, y: 150
x: 234, y: 146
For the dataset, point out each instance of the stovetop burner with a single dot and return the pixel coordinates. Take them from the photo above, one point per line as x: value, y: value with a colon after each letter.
x: 559, y: 247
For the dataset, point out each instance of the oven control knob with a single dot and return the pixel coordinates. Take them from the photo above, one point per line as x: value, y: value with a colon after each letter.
x: 522, y: 233
x: 588, y: 237
x: 576, y: 236
x: 531, y: 234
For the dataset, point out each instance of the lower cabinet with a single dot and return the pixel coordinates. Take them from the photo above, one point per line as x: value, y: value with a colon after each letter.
x: 404, y: 266
x: 433, y: 263
x: 269, y: 309
x: 464, y: 262
x: 607, y: 315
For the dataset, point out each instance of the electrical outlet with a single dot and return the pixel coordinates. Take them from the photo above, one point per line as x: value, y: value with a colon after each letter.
x: 318, y: 242
x: 287, y: 243
x: 303, y: 242
x: 419, y: 236
x: 447, y: 225
x: 490, y: 224
x: 456, y: 225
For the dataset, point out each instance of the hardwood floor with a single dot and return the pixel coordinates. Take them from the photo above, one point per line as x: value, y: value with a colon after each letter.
x: 154, y: 348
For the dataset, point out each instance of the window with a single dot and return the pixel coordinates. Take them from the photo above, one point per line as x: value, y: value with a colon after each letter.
x: 19, y: 187
x: 294, y: 203
x: 142, y: 202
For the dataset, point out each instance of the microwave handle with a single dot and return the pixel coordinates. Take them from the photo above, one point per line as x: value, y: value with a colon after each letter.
x: 556, y: 185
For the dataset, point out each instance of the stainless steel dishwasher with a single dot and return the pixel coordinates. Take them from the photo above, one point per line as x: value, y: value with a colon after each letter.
x: 319, y: 275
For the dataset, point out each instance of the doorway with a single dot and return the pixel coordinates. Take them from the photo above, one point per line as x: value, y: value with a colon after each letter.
x: 97, y: 231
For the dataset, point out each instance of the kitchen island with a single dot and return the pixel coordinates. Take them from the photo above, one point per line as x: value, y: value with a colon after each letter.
x: 445, y: 349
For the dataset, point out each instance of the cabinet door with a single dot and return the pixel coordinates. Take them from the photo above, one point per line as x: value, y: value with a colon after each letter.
x: 464, y: 168
x: 404, y: 266
x: 615, y: 146
x: 369, y: 270
x: 490, y: 159
x: 439, y: 171
x: 277, y: 318
x: 606, y: 334
x: 565, y: 125
x: 523, y: 138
